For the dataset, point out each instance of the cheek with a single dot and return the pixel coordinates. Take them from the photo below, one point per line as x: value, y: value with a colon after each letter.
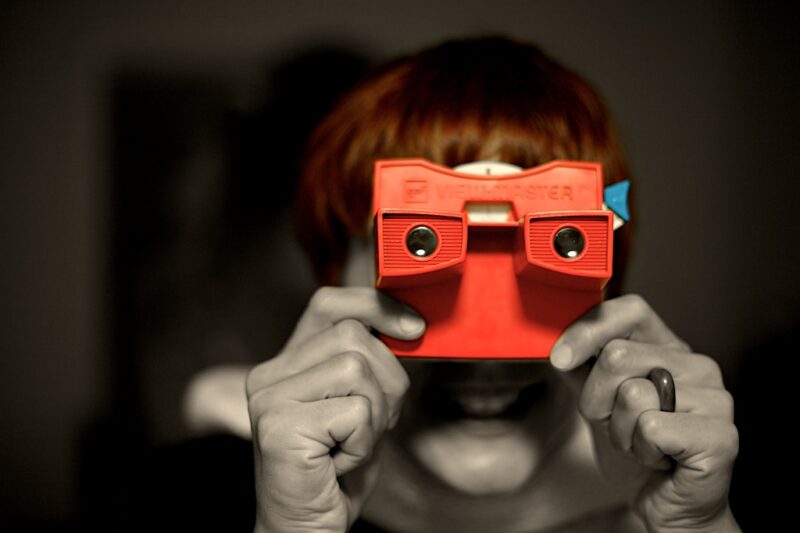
x: 359, y: 267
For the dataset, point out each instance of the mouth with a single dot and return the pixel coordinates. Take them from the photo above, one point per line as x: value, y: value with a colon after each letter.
x: 483, y: 403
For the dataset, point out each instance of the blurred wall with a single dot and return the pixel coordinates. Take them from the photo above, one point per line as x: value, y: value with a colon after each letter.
x: 704, y: 94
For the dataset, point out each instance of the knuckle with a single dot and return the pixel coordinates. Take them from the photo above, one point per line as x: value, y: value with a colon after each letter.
x: 403, y: 384
x: 729, y: 443
x: 726, y: 404
x: 353, y: 364
x: 322, y: 297
x: 637, y: 303
x: 382, y: 413
x: 631, y: 393
x: 648, y: 424
x: 613, y: 356
x: 710, y: 371
x: 350, y: 329
x: 396, y: 392
x: 361, y: 408
x: 727, y: 446
x: 385, y: 408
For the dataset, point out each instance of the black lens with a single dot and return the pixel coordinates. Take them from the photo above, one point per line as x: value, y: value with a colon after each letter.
x: 568, y: 242
x: 421, y: 241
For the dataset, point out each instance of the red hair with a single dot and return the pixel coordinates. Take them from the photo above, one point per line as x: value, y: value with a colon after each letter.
x: 462, y: 101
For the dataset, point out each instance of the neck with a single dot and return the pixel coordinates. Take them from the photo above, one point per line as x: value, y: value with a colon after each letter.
x: 566, y: 487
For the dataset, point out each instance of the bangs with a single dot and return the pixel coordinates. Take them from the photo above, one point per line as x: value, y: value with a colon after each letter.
x: 464, y: 101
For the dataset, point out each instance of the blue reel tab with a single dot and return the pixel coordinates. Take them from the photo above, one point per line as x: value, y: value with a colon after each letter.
x: 616, y: 198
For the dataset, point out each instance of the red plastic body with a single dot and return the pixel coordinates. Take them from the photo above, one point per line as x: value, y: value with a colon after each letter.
x: 491, y: 290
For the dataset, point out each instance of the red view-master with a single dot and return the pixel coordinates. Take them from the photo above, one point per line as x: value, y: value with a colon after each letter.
x: 497, y: 265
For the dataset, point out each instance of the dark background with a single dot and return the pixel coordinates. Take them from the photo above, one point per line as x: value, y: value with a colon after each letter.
x: 147, y: 160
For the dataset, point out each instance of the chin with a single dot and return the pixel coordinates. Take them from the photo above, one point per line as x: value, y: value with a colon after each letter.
x: 484, y: 458
x: 484, y: 429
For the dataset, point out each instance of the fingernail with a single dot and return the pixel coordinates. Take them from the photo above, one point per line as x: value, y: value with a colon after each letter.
x: 561, y: 356
x: 411, y: 323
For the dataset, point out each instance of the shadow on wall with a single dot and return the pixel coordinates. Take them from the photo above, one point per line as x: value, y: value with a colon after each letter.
x: 204, y: 267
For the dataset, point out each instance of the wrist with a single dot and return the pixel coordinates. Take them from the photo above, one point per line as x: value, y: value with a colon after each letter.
x: 723, y: 522
x: 274, y: 524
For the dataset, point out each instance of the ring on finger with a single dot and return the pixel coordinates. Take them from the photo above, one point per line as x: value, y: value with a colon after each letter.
x: 665, y: 387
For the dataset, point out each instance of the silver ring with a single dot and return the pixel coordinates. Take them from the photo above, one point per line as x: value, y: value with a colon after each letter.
x: 665, y: 387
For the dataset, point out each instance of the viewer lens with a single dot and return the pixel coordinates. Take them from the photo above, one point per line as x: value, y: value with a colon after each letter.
x: 421, y: 241
x: 569, y: 243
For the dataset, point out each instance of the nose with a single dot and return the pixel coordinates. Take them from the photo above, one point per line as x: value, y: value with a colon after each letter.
x: 495, y: 372
x: 490, y: 370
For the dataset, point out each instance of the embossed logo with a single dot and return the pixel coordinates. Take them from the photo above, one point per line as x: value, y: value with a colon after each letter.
x: 416, y: 191
x: 484, y: 191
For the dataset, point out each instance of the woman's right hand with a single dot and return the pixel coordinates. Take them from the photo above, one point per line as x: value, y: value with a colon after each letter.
x: 318, y: 408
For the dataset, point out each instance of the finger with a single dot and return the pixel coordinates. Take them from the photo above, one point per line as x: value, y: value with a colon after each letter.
x: 350, y: 427
x: 636, y: 396
x: 346, y: 336
x: 347, y: 374
x: 330, y: 305
x: 703, y: 448
x: 621, y: 360
x: 302, y: 438
x: 626, y: 317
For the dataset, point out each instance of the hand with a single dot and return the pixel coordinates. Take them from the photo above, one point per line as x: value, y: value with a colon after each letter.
x: 684, y: 459
x: 318, y: 408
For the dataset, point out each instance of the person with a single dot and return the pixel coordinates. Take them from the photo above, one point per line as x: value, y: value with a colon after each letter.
x: 346, y: 433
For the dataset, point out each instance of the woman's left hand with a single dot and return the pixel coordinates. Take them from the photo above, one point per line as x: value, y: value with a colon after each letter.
x: 687, y: 456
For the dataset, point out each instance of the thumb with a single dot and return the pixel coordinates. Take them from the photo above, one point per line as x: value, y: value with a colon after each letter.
x: 704, y: 448
x: 574, y: 378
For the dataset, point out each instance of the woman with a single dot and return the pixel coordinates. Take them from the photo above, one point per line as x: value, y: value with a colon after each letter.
x: 575, y: 444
